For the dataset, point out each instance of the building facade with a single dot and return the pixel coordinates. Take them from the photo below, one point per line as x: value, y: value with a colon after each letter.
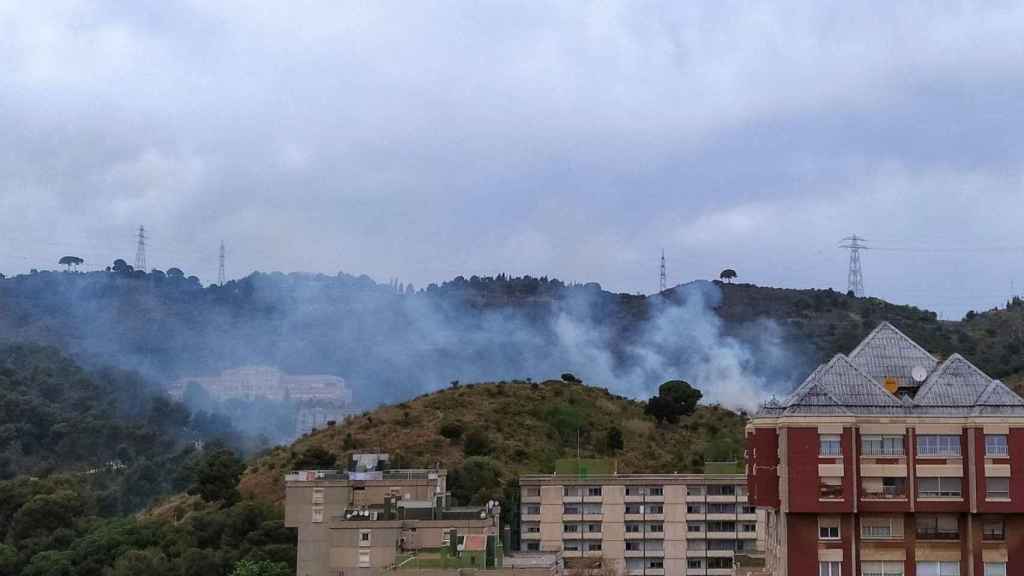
x: 369, y: 521
x: 888, y: 462
x: 642, y: 525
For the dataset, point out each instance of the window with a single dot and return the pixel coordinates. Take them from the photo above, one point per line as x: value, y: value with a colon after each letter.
x: 655, y: 528
x: 993, y: 529
x: 594, y: 491
x: 830, y: 568
x: 749, y: 510
x: 571, y: 509
x: 694, y: 508
x: 996, y: 488
x: 531, y: 491
x: 886, y: 487
x: 364, y: 558
x: 881, y: 568
x: 533, y: 509
x: 593, y: 528
x: 995, y: 569
x: 694, y: 527
x: 570, y: 528
x: 942, y: 487
x: 694, y: 490
x: 748, y: 527
x: 720, y: 564
x: 533, y: 546
x: 632, y: 546
x: 938, y: 445
x: 881, y: 528
x: 318, y: 514
x: 876, y: 445
x: 364, y: 537
x: 656, y: 491
x: 632, y: 528
x: 694, y: 563
x: 632, y: 509
x: 937, y: 527
x: 828, y: 527
x: 830, y: 445
x: 721, y: 508
x: 830, y: 488
x: 531, y: 528
x: 938, y: 569
x: 721, y: 490
x: 571, y: 545
x: 318, y: 495
x: 721, y: 526
x: 594, y: 546
x: 995, y: 446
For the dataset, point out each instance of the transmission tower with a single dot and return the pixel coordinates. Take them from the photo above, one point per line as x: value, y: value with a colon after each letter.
x: 140, y: 250
x: 662, y: 276
x: 220, y: 271
x: 855, y: 279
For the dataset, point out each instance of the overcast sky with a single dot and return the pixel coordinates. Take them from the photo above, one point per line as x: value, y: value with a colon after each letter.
x: 573, y: 139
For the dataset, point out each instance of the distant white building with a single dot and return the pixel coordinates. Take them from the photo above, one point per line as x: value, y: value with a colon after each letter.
x: 320, y: 398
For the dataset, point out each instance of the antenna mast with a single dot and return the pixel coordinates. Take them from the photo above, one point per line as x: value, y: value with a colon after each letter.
x: 662, y: 276
x: 140, y: 250
x: 855, y: 277
x: 220, y: 271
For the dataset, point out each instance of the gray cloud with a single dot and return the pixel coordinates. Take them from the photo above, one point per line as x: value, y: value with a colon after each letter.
x: 425, y: 140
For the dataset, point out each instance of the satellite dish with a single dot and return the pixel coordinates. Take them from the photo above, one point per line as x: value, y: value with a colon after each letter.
x: 919, y: 374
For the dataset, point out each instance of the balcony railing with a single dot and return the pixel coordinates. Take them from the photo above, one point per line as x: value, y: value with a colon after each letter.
x: 937, y: 535
x: 887, y: 493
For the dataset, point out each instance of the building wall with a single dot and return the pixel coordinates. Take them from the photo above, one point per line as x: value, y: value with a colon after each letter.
x: 763, y: 467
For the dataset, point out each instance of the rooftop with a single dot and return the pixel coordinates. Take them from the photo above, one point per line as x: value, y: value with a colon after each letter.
x: 888, y: 374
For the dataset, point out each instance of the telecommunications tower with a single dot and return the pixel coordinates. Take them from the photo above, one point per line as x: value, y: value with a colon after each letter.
x: 855, y: 277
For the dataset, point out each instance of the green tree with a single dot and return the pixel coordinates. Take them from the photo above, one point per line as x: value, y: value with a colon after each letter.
x: 136, y: 562
x: 476, y: 481
x: 477, y: 443
x: 315, y: 458
x: 69, y: 261
x: 613, y: 439
x: 452, y: 430
x: 675, y: 398
x: 216, y: 476
x: 8, y: 559
x: 728, y: 275
x: 261, y: 568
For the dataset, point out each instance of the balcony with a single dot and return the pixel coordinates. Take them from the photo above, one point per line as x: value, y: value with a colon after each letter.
x: 529, y: 518
x: 635, y: 498
x: 643, y: 517
x: 946, y: 535
x: 646, y: 572
x: 585, y: 499
x: 725, y: 517
x: 644, y: 554
x: 530, y: 535
x: 721, y: 535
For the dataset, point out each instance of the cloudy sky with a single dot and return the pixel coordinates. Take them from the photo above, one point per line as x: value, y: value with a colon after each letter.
x: 574, y: 139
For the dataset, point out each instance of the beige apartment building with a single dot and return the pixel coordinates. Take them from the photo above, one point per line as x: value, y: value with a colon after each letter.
x: 643, y: 525
x: 373, y: 520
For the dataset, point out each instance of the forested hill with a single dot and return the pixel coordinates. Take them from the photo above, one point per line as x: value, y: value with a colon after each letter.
x: 392, y: 343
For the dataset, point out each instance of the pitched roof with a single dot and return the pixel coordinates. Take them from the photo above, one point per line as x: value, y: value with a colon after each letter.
x: 888, y: 353
x: 956, y: 382
x: 855, y: 384
x: 840, y: 384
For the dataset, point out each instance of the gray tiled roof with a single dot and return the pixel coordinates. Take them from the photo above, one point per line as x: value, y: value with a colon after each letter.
x: 856, y: 384
x: 957, y: 382
x: 889, y: 353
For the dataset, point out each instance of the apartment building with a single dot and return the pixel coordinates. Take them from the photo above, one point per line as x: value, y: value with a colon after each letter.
x: 367, y: 521
x: 641, y: 525
x: 890, y: 462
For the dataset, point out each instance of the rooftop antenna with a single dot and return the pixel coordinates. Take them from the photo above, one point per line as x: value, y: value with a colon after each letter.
x: 662, y: 276
x: 220, y: 271
x: 140, y: 250
x: 855, y: 277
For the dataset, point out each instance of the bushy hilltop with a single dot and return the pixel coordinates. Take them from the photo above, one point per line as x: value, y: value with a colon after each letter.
x: 487, y: 434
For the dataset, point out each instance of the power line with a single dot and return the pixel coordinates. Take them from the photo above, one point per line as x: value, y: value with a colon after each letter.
x: 855, y: 276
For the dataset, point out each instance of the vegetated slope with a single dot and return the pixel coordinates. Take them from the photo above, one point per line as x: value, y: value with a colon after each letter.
x: 503, y: 429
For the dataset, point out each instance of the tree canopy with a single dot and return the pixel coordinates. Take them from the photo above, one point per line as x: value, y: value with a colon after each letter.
x: 675, y: 398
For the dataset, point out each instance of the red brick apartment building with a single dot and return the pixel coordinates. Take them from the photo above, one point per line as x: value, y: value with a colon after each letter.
x: 890, y: 462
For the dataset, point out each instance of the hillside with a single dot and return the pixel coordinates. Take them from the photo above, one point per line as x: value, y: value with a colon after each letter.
x: 510, y: 428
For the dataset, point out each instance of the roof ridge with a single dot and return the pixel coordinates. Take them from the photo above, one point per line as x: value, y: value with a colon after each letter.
x: 936, y: 375
x: 873, y: 381
x: 886, y: 324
